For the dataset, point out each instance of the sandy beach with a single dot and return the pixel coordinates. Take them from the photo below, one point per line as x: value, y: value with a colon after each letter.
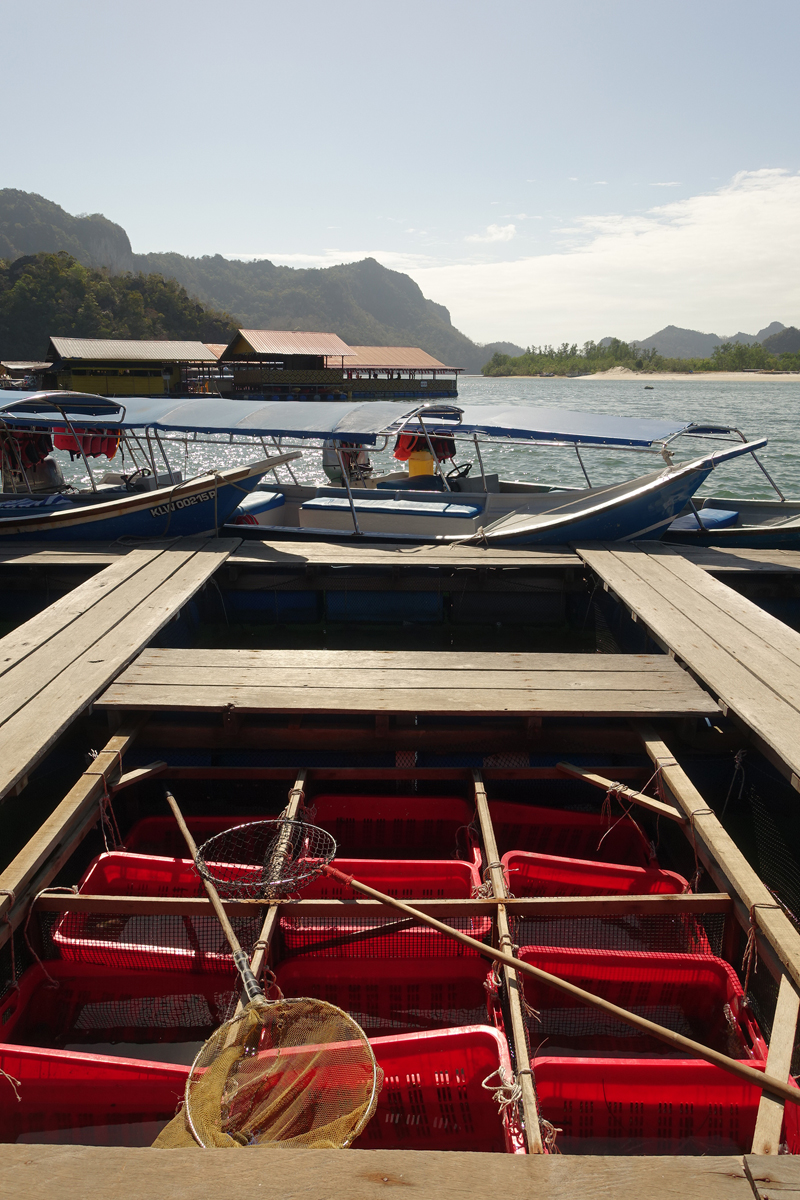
x: 710, y: 376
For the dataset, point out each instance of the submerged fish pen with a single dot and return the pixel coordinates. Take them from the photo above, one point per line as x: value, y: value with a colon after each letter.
x: 538, y: 802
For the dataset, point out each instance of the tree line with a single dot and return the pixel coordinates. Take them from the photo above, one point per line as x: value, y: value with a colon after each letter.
x: 569, y: 359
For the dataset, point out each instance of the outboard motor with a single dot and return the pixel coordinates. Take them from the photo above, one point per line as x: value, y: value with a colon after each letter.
x: 356, y: 460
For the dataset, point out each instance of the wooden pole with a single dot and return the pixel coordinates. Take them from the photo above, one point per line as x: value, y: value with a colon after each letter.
x: 767, y: 1135
x: 696, y: 1049
x: 608, y: 785
x: 533, y: 1133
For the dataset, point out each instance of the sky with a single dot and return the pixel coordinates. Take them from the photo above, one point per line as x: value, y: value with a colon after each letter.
x: 548, y: 171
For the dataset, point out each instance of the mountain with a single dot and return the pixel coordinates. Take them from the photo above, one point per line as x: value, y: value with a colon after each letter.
x: 786, y: 341
x: 674, y: 342
x: 364, y: 302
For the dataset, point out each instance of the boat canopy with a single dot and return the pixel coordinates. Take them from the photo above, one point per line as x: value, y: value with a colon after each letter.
x: 363, y: 422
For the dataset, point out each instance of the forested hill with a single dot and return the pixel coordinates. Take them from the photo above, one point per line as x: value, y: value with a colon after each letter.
x: 46, y: 294
x: 365, y: 303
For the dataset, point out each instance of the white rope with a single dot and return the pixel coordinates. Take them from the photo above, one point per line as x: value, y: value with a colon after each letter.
x: 15, y: 1083
x: 506, y: 1093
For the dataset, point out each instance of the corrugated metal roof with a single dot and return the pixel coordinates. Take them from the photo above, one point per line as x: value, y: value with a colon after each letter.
x: 285, y: 342
x: 105, y: 349
x: 394, y: 358
x: 216, y: 348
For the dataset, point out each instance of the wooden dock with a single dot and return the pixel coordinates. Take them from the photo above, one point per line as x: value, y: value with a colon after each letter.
x: 748, y: 659
x: 54, y: 665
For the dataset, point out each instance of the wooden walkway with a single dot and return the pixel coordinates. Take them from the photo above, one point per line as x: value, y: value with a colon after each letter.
x: 53, y: 666
x: 748, y: 659
x: 457, y: 684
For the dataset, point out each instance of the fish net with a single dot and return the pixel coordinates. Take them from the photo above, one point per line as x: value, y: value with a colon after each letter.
x: 264, y: 859
x: 294, y: 1072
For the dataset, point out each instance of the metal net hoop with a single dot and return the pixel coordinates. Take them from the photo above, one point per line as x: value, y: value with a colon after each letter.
x: 265, y: 859
x: 296, y: 1072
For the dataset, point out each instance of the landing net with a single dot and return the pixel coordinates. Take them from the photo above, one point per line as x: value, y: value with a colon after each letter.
x: 294, y: 1072
x: 265, y: 858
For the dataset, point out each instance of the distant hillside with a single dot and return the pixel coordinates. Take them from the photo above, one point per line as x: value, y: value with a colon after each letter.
x: 674, y: 342
x: 51, y: 294
x: 787, y: 341
x: 363, y: 302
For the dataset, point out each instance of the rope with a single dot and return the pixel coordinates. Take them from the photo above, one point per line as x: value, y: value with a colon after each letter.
x: 51, y: 983
x: 605, y: 811
x: 549, y: 1133
x: 750, y: 957
x: 15, y: 1083
x: 7, y: 921
x: 738, y: 769
x: 506, y: 1093
x: 698, y: 869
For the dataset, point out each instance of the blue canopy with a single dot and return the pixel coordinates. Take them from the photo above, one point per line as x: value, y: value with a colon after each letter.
x: 365, y: 421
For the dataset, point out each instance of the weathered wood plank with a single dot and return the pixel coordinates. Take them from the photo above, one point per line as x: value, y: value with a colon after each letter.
x: 774, y: 720
x: 729, y: 560
x: 430, y: 700
x: 62, y: 554
x: 767, y: 1136
x: 673, y: 682
x: 417, y: 660
x: 37, y: 633
x: 27, y: 735
x: 338, y: 554
x: 107, y: 1173
x: 772, y: 1178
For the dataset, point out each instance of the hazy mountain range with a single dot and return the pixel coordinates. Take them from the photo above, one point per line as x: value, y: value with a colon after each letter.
x: 364, y: 302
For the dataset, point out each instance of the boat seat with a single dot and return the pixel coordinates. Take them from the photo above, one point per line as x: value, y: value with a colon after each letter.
x: 394, y: 508
x: 259, y: 508
x: 712, y: 518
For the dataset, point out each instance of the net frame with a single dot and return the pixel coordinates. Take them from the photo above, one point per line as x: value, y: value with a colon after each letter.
x: 265, y: 859
x: 236, y: 1030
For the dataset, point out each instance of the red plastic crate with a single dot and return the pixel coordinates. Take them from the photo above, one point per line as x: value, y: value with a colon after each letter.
x: 697, y: 995
x: 393, y: 995
x: 196, y: 943
x: 530, y: 874
x: 650, y: 1106
x: 94, y: 1005
x: 569, y: 834
x: 363, y: 826
x: 432, y: 1098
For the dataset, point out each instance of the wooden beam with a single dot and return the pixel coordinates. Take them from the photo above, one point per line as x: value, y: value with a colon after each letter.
x: 42, y: 857
x: 343, y: 910
x: 513, y: 987
x: 767, y: 1136
x: 778, y: 939
x: 608, y: 785
x: 138, y: 776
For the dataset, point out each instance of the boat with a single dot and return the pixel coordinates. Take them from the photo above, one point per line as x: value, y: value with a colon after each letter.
x: 146, y: 502
x: 720, y: 523
x: 429, y: 498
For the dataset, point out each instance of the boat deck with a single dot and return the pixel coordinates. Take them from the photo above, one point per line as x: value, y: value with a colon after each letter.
x: 455, y: 684
x: 748, y: 659
x: 53, y: 666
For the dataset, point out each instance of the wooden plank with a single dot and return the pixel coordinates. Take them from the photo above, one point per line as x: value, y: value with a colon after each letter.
x: 773, y: 1178
x: 767, y: 1136
x: 339, y: 554
x: 774, y: 720
x: 40, y: 859
x: 432, y: 700
x: 726, y: 864
x: 379, y: 660
x: 662, y: 904
x: 601, y: 781
x: 37, y: 633
x: 672, y: 682
x: 729, y: 560
x: 105, y: 1173
x: 27, y: 736
x: 62, y: 554
x: 757, y: 639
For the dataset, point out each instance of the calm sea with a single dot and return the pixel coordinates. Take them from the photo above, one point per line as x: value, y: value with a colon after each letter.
x: 767, y: 409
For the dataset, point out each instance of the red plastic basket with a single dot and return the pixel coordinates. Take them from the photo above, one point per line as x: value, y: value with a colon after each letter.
x: 363, y: 826
x: 547, y: 875
x: 196, y: 943
x: 571, y: 834
x: 393, y: 995
x: 93, y: 1006
x: 694, y: 994
x: 650, y: 1106
x: 432, y: 1097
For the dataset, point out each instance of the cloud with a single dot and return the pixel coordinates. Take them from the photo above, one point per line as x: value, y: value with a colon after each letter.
x: 494, y: 233
x: 601, y: 183
x: 726, y: 259
x: 672, y: 183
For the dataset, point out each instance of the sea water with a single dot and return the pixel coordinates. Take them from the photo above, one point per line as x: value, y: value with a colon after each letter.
x: 759, y: 408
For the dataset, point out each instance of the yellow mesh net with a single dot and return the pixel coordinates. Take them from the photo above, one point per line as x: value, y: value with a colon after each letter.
x: 294, y: 1072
